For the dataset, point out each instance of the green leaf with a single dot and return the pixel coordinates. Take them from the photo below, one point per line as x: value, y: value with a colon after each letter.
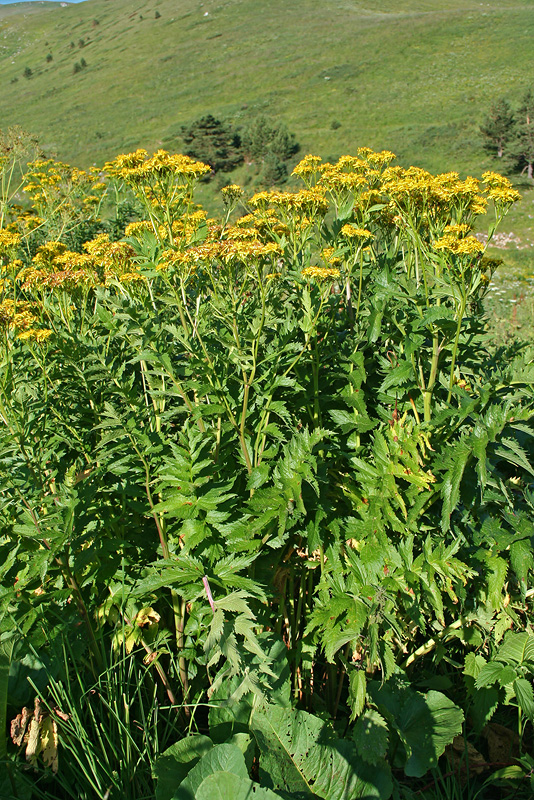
x: 450, y: 489
x: 429, y: 725
x: 371, y: 736
x: 357, y: 692
x: 525, y: 697
x: 521, y: 558
x: 258, y: 476
x: 227, y: 786
x: 300, y: 754
x: 221, y: 758
x: 485, y: 703
x: 507, y: 676
x: 397, y: 376
x: 516, y: 648
x: 173, y: 765
x: 343, y: 419
x: 496, y: 577
x: 426, y: 723
x: 489, y: 674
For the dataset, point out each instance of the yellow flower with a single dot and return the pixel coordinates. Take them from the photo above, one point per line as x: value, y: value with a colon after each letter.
x: 9, y: 240
x: 309, y: 165
x: 231, y: 193
x: 320, y: 273
x: 457, y: 230
x: 138, y: 227
x: 353, y: 232
x: 468, y: 246
x: 37, y: 334
x: 503, y: 196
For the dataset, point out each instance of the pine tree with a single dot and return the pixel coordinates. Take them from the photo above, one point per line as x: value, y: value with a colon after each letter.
x: 212, y: 141
x: 263, y: 136
x: 520, y: 148
x: 497, y: 127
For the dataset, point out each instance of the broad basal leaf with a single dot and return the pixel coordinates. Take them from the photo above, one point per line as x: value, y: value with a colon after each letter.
x: 301, y: 754
x: 221, y: 758
x: 173, y: 765
x: 227, y: 786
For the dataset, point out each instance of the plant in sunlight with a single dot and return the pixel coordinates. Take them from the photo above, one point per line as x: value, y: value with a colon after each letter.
x: 269, y: 465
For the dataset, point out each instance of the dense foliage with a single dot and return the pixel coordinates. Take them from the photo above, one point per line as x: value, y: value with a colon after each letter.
x: 266, y: 495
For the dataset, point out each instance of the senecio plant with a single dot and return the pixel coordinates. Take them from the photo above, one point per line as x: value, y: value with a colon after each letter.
x: 266, y: 491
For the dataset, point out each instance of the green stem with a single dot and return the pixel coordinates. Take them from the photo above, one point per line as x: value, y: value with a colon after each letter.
x: 431, y: 644
x: 427, y: 392
x: 455, y: 346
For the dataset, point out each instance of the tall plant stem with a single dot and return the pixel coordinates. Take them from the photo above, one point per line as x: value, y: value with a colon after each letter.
x: 178, y: 606
x: 242, y: 442
x: 360, y: 284
x: 432, y: 377
x: 316, y: 406
x: 455, y: 346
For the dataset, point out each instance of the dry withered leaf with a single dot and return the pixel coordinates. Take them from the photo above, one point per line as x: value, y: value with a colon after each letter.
x: 503, y: 743
x: 19, y: 725
x: 464, y: 759
x: 49, y: 743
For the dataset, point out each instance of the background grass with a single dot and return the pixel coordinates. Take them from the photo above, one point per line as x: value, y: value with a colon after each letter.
x: 412, y: 76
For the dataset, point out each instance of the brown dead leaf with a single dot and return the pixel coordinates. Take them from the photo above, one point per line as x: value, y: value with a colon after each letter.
x: 19, y: 726
x: 503, y: 743
x: 462, y: 762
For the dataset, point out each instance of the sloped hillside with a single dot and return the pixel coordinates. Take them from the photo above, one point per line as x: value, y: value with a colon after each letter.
x: 415, y: 76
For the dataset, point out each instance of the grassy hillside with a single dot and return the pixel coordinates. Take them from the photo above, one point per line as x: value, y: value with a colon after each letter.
x: 413, y: 76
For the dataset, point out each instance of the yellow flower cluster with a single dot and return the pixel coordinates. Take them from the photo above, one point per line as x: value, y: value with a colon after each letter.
x: 16, y: 315
x: 9, y: 241
x: 232, y: 193
x: 56, y: 267
x: 138, y: 228
x: 320, y: 273
x: 38, y: 335
x: 467, y: 246
x: 308, y: 202
x: 113, y: 259
x: 353, y: 232
x: 457, y: 230
x: 330, y: 256
x: 139, y: 167
x: 415, y: 190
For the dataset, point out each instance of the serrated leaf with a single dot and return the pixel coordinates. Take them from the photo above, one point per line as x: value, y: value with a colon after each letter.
x: 485, y: 703
x: 489, y: 674
x: 371, y: 736
x: 397, y: 376
x: 357, y: 692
